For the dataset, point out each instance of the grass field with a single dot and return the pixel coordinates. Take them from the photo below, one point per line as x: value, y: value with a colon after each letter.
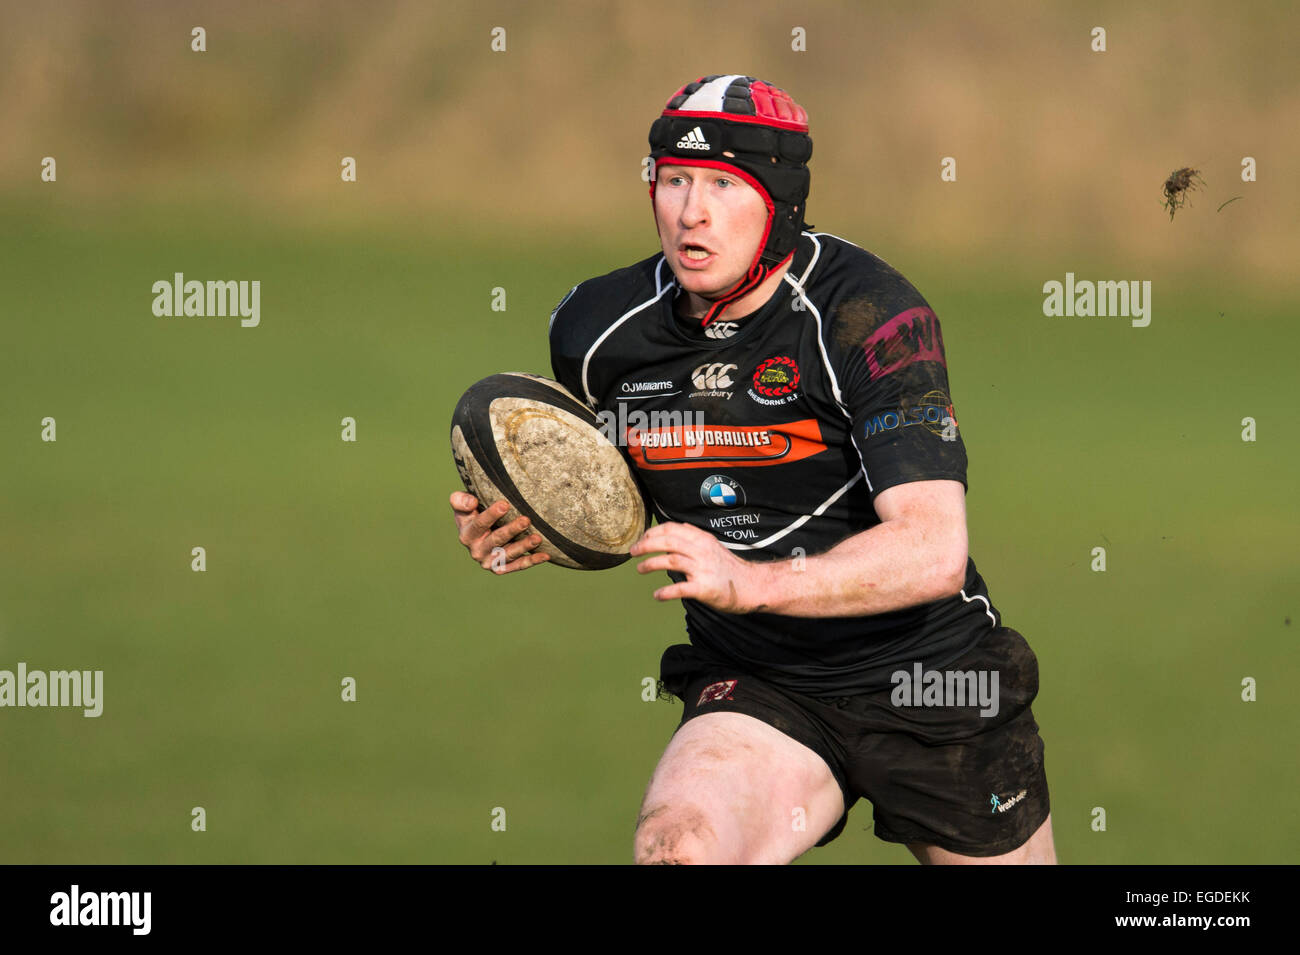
x: 327, y: 559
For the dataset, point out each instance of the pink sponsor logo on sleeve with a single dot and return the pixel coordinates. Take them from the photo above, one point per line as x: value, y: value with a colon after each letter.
x: 908, y: 337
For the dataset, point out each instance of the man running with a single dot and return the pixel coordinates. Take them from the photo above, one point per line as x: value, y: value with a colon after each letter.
x: 842, y: 643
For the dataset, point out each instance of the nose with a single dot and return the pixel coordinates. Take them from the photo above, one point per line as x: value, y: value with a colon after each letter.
x: 695, y: 209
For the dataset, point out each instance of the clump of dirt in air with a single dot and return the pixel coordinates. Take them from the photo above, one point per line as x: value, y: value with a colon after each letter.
x: 1178, y: 185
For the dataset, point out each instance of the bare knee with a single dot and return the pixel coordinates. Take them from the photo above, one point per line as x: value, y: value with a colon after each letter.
x: 675, y: 836
x: 1039, y: 849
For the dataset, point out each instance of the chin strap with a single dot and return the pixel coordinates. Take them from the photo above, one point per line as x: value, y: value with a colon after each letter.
x: 756, y: 276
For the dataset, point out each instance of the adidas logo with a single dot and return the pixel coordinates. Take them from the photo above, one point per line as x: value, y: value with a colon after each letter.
x: 693, y: 140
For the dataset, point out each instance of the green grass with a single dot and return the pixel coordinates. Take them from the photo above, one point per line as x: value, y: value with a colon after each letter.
x: 328, y: 559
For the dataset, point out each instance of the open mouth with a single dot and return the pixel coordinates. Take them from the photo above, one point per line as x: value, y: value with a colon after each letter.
x: 696, y: 252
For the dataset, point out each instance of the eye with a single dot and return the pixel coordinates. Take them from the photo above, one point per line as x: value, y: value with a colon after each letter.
x: 723, y: 181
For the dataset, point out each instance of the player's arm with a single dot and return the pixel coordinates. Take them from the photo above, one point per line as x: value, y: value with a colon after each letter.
x: 918, y: 551
x: 917, y: 554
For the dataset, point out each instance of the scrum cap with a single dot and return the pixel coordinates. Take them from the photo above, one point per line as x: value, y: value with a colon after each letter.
x: 755, y: 130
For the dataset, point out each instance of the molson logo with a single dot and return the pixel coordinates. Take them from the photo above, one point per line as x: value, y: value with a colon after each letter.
x: 934, y: 410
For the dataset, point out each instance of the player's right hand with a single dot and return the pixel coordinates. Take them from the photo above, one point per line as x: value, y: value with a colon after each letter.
x: 500, y: 550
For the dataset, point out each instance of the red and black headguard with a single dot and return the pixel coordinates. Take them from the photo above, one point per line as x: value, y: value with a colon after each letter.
x: 767, y: 133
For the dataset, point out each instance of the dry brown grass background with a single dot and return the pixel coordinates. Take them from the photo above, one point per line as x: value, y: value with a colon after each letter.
x: 1058, y: 148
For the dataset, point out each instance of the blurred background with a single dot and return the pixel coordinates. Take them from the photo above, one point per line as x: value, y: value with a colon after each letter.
x: 521, y: 169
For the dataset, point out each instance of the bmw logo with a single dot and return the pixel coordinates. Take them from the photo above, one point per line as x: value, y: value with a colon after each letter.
x: 718, y: 490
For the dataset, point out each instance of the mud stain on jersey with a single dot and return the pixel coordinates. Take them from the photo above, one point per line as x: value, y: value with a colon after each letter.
x: 855, y: 319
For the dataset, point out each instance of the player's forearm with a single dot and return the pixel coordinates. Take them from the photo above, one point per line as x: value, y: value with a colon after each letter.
x: 893, y: 565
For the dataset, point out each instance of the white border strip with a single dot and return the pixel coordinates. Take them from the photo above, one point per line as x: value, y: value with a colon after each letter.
x: 797, y: 524
x: 586, y: 361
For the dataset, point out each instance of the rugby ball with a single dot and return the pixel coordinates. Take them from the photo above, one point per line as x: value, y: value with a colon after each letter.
x: 528, y: 440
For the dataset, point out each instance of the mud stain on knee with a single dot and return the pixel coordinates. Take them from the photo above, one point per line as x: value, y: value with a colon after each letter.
x: 647, y: 815
x: 663, y: 845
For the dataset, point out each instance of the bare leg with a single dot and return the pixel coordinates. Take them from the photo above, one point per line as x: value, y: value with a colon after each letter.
x: 730, y: 789
x: 1039, y: 849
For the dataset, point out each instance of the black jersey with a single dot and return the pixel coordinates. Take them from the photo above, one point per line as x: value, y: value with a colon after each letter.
x: 775, y: 432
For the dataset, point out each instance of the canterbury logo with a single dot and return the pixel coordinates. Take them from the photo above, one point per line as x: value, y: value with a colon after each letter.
x: 712, y: 376
x: 721, y: 330
x: 693, y: 140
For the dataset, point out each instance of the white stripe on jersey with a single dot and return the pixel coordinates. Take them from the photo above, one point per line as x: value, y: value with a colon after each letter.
x: 854, y: 244
x: 567, y: 295
x: 709, y: 97
x: 821, y: 509
x: 821, y: 346
x: 660, y: 289
x: 840, y: 237
x: 817, y: 251
x: 586, y: 361
x: 987, y: 610
x: 659, y: 282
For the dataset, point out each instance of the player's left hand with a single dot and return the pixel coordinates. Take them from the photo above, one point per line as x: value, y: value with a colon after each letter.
x: 714, y: 576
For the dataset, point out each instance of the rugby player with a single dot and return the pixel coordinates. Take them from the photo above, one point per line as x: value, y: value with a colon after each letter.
x: 814, y: 528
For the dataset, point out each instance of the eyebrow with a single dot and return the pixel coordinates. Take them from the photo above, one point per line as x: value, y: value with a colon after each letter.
x: 669, y: 169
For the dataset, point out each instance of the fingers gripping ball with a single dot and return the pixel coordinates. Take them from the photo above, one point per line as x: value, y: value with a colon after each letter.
x: 528, y: 440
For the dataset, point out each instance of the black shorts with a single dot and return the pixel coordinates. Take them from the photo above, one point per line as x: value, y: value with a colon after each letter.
x: 935, y: 772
